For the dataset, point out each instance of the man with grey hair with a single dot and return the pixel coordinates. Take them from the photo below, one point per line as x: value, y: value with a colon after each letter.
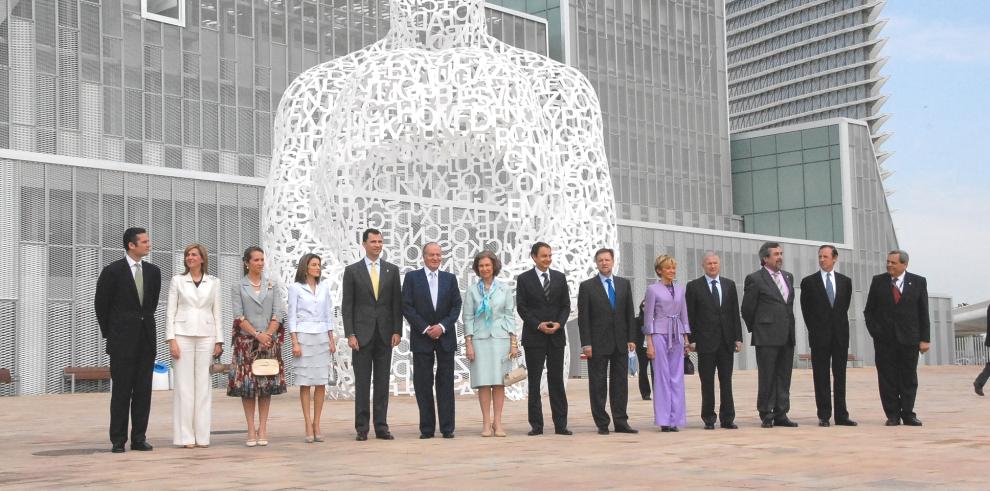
x: 897, y: 317
x: 768, y: 309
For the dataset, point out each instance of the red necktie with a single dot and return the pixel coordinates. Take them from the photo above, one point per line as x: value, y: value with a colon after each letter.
x: 896, y: 291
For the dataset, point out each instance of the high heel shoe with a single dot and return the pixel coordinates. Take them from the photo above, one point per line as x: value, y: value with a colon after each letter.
x: 309, y: 439
x: 250, y: 443
x: 488, y: 431
x: 262, y: 443
x: 499, y: 433
x: 317, y: 437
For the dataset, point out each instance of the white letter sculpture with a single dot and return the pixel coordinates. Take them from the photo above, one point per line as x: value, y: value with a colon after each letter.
x: 438, y: 132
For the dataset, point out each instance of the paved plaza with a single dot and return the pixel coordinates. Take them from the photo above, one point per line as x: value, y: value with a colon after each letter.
x: 61, y: 441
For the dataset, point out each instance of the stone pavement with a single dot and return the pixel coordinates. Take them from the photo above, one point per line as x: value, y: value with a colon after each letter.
x: 61, y: 441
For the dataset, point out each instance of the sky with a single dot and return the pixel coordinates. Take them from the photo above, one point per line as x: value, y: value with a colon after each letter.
x: 939, y: 88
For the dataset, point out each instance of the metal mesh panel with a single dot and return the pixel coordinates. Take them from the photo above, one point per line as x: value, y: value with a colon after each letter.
x: 228, y: 128
x: 89, y: 41
x: 206, y: 211
x: 136, y: 187
x: 211, y: 161
x: 112, y: 57
x: 249, y: 199
x: 8, y: 329
x: 113, y: 149
x: 59, y: 205
x: 152, y: 154
x: 90, y: 120
x: 87, y: 207
x: 172, y: 157
x: 68, y: 13
x: 32, y: 322
x: 153, y: 117
x: 60, y: 273
x: 190, y: 123
x: 245, y: 132
x: 185, y: 213
x: 46, y: 114
x: 112, y: 197
x: 211, y: 126
x: 88, y: 348
x: 227, y: 220
x: 192, y: 158
x: 172, y: 128
x: 133, y: 114
x: 161, y: 213
x: 32, y: 203
x: 59, y: 351
x: 9, y: 233
x: 133, y: 152
x: 68, y: 78
x: 228, y: 163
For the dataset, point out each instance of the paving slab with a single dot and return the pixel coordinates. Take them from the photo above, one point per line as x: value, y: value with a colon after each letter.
x: 61, y: 441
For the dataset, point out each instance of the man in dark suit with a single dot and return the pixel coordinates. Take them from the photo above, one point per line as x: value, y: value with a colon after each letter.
x: 897, y: 317
x: 645, y: 364
x: 125, y: 303
x: 431, y: 304
x: 768, y: 309
x: 543, y: 301
x: 716, y: 335
x: 372, y: 312
x: 981, y: 379
x: 825, y: 297
x: 607, y: 324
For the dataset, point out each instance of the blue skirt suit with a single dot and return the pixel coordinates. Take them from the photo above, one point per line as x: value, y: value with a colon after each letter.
x: 489, y: 319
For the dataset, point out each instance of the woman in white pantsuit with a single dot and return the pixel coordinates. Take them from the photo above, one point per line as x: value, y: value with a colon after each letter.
x: 309, y: 321
x: 192, y: 329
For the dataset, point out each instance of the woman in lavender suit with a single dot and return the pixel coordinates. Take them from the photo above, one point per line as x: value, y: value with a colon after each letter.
x: 665, y: 324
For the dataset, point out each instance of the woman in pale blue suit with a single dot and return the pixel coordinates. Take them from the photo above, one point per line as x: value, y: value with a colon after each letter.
x: 490, y: 337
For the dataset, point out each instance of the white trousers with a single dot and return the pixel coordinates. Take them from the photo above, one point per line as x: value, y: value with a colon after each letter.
x: 191, y: 400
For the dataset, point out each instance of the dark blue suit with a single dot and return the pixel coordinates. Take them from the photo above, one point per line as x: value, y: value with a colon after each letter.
x: 418, y: 309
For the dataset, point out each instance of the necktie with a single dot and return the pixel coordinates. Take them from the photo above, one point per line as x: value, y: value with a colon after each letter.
x: 611, y: 292
x: 139, y: 282
x: 374, y: 279
x: 829, y: 289
x: 433, y: 288
x: 546, y: 286
x: 780, y: 284
x: 715, y: 295
x: 896, y: 291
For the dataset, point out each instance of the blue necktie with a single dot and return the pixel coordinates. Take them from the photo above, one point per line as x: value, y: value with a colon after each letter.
x: 611, y: 292
x: 829, y: 289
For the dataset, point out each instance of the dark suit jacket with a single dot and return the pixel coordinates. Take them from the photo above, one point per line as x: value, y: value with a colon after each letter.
x: 713, y: 325
x: 363, y: 315
x: 534, y: 308
x: 121, y: 316
x: 417, y: 307
x: 987, y: 340
x: 604, y: 329
x: 905, y: 322
x: 825, y: 321
x: 768, y: 315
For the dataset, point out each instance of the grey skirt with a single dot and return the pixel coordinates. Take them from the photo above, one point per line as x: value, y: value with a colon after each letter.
x: 313, y: 367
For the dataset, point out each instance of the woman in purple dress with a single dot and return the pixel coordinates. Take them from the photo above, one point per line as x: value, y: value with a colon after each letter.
x: 665, y: 324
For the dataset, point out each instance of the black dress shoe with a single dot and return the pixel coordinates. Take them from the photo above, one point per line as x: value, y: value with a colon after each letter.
x: 384, y: 436
x: 709, y: 426
x: 978, y: 388
x: 145, y: 446
x: 361, y: 437
x: 893, y: 422
x: 448, y: 435
x: 563, y: 431
x: 824, y: 423
x: 673, y: 429
x: 535, y: 432
x: 730, y: 426
x: 117, y: 448
x: 767, y: 423
x: 625, y: 429
x: 845, y: 422
x: 912, y: 421
x: 646, y: 397
x: 664, y: 429
x: 785, y: 422
x: 602, y: 431
x: 425, y: 436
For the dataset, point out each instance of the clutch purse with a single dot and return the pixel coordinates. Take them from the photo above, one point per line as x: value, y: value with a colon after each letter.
x: 514, y: 376
x: 332, y: 378
x: 218, y: 367
x: 264, y: 367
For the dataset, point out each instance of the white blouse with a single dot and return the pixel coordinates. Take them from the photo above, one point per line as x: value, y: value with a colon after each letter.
x: 310, y: 312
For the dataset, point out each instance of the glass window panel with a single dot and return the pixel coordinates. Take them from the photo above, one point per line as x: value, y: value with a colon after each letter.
x: 816, y: 154
x: 787, y: 142
x: 741, y: 148
x: 833, y: 134
x: 792, y: 224
x: 836, y: 175
x: 838, y: 233
x: 764, y: 162
x: 767, y: 223
x: 814, y: 137
x: 790, y: 183
x: 763, y: 145
x: 789, y: 158
x: 742, y: 165
x: 833, y: 152
x: 817, y: 184
x: 742, y: 193
x: 819, y: 223
x: 765, y: 190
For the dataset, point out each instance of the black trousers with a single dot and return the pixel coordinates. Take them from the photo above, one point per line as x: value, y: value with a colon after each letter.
x: 423, y: 384
x: 374, y: 359
x: 720, y: 360
x: 774, y: 365
x: 131, y: 393
x: 645, y: 372
x: 981, y: 379
x: 897, y: 374
x: 553, y: 358
x: 824, y: 359
x: 607, y: 373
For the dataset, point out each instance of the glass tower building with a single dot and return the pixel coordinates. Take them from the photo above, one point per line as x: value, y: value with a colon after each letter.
x: 159, y: 113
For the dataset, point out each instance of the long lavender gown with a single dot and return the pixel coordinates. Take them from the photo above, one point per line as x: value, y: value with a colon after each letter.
x: 666, y: 322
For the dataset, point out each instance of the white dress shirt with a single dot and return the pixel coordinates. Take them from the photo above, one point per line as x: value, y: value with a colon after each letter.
x: 309, y: 312
x: 900, y: 283
x: 539, y: 274
x: 718, y: 286
x: 133, y: 264
x: 434, y: 284
x: 825, y: 275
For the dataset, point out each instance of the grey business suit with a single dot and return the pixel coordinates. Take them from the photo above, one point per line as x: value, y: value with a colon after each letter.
x: 373, y: 322
x: 258, y: 309
x: 770, y: 319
